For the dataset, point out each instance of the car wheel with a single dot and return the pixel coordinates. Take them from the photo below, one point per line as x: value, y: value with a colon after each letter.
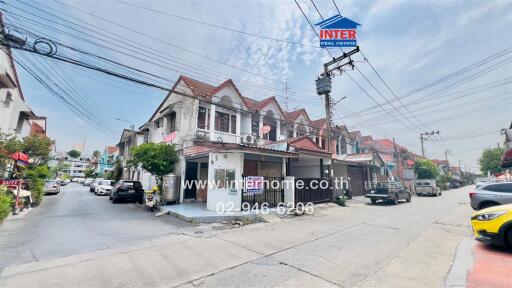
x: 395, y: 200
x: 373, y: 200
x: 110, y: 197
x: 508, y: 239
x: 408, y: 199
x: 440, y: 193
x: 114, y: 200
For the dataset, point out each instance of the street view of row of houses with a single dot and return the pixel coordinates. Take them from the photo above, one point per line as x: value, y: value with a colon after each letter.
x: 255, y: 144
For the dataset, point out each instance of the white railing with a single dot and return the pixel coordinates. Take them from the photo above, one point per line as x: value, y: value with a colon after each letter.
x: 224, y: 137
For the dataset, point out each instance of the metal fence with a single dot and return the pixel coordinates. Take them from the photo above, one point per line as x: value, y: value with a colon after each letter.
x: 273, y: 193
x: 314, y: 190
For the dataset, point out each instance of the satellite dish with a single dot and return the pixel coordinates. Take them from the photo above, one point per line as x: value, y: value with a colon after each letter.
x: 265, y: 129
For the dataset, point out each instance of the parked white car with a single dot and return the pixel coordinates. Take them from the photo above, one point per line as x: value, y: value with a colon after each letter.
x: 92, y: 186
x: 88, y: 181
x: 103, y: 187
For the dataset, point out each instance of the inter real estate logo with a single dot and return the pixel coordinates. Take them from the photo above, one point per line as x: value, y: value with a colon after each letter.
x: 338, y: 31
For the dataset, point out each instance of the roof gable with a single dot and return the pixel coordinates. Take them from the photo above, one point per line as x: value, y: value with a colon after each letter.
x: 270, y: 101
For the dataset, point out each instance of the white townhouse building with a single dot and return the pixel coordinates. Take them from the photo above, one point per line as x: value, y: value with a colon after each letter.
x: 16, y: 116
x: 222, y: 136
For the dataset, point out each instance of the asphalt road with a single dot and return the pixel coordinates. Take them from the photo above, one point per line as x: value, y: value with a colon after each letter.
x: 408, y: 245
x: 76, y: 221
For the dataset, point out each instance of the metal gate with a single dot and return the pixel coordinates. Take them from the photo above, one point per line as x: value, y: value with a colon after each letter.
x: 356, y: 175
x: 273, y: 193
x: 313, y: 190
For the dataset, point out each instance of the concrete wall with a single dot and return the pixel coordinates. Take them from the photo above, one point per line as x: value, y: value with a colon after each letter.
x: 305, y: 168
x: 289, y: 189
x: 230, y: 198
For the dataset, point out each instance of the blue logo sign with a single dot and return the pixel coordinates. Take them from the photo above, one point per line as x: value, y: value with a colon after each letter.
x: 338, y: 31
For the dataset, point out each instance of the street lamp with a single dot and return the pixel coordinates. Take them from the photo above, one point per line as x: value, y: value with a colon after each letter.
x: 131, y: 124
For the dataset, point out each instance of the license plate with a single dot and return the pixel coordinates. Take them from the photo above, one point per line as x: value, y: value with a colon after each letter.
x: 131, y: 191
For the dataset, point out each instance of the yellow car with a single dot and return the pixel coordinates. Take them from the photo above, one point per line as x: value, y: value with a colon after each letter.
x: 493, y: 225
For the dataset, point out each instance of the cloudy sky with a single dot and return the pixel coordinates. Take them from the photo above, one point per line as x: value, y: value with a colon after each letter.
x: 429, y: 54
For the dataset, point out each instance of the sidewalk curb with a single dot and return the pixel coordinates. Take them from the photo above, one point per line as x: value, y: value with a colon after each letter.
x: 462, y: 263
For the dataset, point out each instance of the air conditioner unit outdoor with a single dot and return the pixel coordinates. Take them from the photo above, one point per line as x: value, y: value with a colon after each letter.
x: 248, y: 139
x: 201, y: 136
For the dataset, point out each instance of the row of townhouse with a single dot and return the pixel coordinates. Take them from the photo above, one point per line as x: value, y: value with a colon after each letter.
x: 221, y: 135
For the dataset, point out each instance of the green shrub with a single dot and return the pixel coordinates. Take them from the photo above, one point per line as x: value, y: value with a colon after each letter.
x: 442, y: 181
x: 6, y: 202
x: 340, y: 200
x: 37, y: 190
x: 37, y: 175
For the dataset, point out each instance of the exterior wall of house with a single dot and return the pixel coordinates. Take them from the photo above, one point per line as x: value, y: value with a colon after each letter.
x: 225, y: 163
x: 14, y: 112
x: 306, y: 167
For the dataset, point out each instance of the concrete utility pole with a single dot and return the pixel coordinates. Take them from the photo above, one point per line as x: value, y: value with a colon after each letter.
x: 428, y: 134
x: 324, y: 85
x: 398, y: 160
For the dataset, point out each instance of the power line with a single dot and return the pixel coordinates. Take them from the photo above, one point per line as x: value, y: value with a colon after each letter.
x: 133, y: 51
x: 218, y: 26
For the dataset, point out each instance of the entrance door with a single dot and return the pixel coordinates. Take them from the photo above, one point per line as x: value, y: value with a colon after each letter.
x: 190, y: 175
x: 356, y: 180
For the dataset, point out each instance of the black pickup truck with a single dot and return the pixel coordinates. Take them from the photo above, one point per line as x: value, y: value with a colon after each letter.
x: 389, y: 192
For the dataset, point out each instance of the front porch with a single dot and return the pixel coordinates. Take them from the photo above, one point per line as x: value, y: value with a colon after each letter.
x: 196, y: 212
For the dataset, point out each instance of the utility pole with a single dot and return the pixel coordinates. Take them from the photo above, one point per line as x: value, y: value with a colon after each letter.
x: 428, y: 134
x: 398, y: 160
x: 324, y: 85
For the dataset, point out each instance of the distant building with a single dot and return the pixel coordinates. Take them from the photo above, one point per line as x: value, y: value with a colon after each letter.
x: 107, y: 159
x: 77, y: 166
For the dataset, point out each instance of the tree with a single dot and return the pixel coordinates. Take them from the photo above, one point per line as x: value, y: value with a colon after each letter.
x: 425, y: 169
x: 490, y: 161
x: 37, y: 147
x: 57, y: 169
x: 158, y: 159
x: 88, y: 173
x: 74, y: 153
x: 96, y: 154
x: 117, y: 171
x: 37, y: 175
x: 8, y: 145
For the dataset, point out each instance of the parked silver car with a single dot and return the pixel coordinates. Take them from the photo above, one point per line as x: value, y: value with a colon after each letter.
x: 491, y: 194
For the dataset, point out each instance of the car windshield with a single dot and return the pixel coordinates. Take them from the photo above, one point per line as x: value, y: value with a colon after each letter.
x: 104, y: 182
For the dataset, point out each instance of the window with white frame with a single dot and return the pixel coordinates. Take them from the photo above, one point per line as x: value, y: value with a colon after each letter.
x: 225, y: 122
x: 203, y: 118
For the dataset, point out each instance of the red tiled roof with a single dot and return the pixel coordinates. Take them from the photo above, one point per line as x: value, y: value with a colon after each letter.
x: 36, y: 129
x: 112, y: 149
x: 353, y: 135
x: 385, y: 145
x: 251, y: 103
x: 318, y: 123
x: 199, y: 88
x: 292, y: 116
x: 305, y: 143
x: 367, y: 139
